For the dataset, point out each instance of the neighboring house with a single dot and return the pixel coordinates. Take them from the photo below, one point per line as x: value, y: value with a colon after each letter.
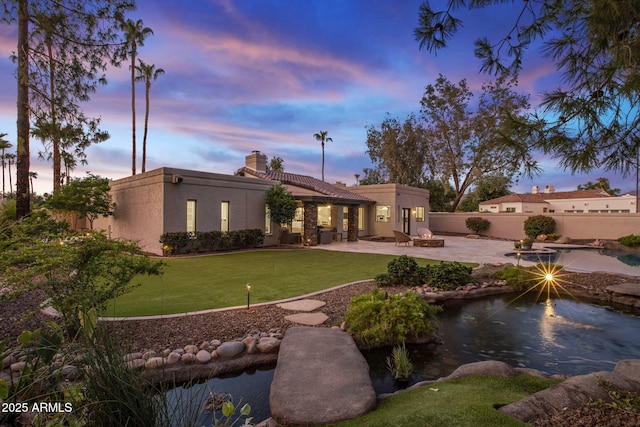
x: 165, y: 200
x: 550, y: 201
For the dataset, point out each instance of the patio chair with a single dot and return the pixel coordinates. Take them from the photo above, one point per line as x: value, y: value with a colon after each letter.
x: 402, y: 238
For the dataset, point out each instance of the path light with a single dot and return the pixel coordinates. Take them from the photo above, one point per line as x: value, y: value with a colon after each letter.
x: 248, y: 294
x: 518, y: 255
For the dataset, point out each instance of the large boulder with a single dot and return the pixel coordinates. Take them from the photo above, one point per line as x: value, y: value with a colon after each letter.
x: 321, y: 377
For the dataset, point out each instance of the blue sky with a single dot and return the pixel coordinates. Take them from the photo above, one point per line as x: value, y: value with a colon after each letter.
x: 243, y: 75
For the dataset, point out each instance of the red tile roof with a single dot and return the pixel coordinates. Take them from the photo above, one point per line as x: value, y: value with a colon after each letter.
x: 309, y: 183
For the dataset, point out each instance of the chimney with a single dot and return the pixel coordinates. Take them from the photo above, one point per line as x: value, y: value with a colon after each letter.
x: 535, y: 190
x: 548, y: 189
x: 256, y: 161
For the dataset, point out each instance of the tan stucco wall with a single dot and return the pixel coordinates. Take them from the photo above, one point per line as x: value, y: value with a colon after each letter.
x: 397, y: 197
x: 150, y: 204
x: 572, y: 225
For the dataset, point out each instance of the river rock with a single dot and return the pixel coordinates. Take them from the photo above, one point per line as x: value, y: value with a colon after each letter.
x: 268, y: 345
x: 215, y: 344
x: 69, y: 372
x: 203, y: 356
x: 173, y: 358
x: 155, y: 362
x: 191, y: 348
x: 136, y: 364
x: 188, y: 358
x: 132, y: 356
x: 489, y: 367
x: 230, y: 349
x: 250, y: 344
x: 149, y: 354
x: 18, y: 366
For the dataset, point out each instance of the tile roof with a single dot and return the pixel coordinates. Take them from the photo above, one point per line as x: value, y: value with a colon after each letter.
x: 308, y: 183
x: 543, y: 197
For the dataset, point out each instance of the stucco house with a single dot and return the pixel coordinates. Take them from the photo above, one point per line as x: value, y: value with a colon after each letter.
x: 551, y: 201
x: 165, y: 200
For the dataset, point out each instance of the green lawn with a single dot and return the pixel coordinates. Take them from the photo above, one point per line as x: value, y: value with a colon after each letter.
x: 215, y: 281
x: 467, y: 402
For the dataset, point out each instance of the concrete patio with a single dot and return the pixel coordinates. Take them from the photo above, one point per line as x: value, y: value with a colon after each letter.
x: 488, y: 251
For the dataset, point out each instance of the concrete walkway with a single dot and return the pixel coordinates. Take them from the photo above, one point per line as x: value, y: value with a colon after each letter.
x: 321, y: 377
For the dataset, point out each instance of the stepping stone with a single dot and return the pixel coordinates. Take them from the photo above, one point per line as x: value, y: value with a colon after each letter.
x: 321, y: 377
x: 309, y: 319
x: 302, y: 305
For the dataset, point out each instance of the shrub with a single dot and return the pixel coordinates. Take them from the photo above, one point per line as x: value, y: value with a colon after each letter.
x: 210, y: 241
x: 477, y: 224
x: 518, y: 278
x: 378, y: 318
x: 631, y: 240
x: 447, y: 275
x: 403, y: 271
x: 539, y: 224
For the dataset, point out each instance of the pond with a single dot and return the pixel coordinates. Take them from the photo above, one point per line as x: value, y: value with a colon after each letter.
x: 556, y: 336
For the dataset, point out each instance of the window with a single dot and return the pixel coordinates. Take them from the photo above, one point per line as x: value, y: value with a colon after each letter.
x: 324, y: 216
x: 383, y: 213
x: 420, y: 214
x: 361, y: 218
x: 510, y: 210
x: 345, y: 218
x: 191, y: 216
x: 267, y: 220
x: 297, y: 225
x: 224, y: 216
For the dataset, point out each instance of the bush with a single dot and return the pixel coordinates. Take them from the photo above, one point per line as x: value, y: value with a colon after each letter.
x: 477, y: 224
x: 539, y: 224
x: 447, y: 275
x: 402, y: 271
x: 378, y: 318
x: 631, y: 240
x: 518, y: 278
x: 210, y: 241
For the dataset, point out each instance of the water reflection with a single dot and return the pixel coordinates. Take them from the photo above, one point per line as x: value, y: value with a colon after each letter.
x: 553, y: 335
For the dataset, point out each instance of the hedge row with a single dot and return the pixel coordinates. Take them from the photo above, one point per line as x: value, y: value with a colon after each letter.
x: 210, y: 241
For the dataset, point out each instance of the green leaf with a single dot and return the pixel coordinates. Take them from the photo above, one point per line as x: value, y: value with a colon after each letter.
x: 227, y: 408
x: 27, y: 337
x: 245, y: 410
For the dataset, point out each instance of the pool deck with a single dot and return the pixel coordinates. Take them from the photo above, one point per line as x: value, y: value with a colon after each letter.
x: 488, y: 251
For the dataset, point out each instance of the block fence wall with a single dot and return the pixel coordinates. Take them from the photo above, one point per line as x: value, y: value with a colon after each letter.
x: 511, y: 225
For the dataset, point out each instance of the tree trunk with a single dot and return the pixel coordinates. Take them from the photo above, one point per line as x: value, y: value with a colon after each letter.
x: 22, y: 164
x: 146, y: 127
x: 133, y: 111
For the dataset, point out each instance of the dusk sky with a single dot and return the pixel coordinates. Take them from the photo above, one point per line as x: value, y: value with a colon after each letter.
x: 266, y: 75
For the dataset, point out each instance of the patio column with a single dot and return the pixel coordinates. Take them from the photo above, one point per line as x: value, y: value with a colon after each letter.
x: 310, y: 224
x: 352, y: 223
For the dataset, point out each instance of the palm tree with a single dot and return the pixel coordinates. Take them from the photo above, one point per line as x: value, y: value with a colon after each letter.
x: 11, y: 160
x: 135, y: 33
x: 322, y: 137
x: 146, y: 73
x: 32, y: 176
x: 4, y: 144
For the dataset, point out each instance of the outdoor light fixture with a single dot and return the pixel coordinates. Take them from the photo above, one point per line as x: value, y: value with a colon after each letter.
x: 248, y: 294
x: 519, y: 255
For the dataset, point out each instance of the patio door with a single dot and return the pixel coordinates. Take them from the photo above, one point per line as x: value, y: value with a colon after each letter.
x: 406, y: 220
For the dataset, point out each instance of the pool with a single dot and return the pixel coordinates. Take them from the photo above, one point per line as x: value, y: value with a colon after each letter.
x: 586, y: 259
